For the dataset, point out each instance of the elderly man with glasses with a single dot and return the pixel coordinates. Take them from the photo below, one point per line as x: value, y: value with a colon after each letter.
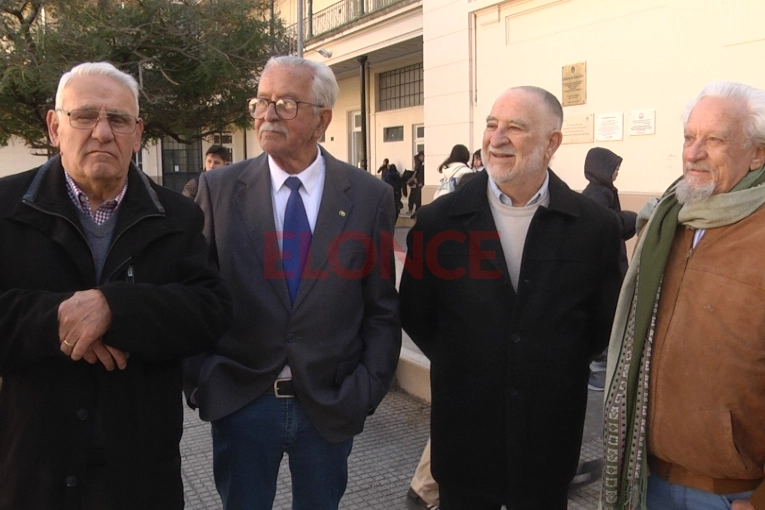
x: 105, y: 286
x: 316, y: 334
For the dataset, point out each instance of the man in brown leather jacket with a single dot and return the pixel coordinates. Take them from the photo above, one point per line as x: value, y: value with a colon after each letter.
x: 685, y: 409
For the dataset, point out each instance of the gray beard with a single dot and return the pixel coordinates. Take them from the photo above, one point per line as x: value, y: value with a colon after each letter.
x: 531, y: 166
x: 687, y: 194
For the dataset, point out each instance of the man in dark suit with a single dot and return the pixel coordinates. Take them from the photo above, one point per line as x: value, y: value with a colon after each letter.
x: 512, y: 298
x: 316, y: 333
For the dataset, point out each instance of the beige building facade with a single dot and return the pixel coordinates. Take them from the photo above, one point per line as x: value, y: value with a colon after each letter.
x: 429, y: 70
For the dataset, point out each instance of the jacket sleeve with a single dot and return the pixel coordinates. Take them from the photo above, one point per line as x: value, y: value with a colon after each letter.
x: 607, y: 293
x: 381, y: 325
x: 627, y: 224
x: 175, y: 320
x: 28, y: 326
x: 418, y: 294
x: 627, y: 219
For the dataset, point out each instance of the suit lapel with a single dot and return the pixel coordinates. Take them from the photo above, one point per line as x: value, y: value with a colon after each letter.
x: 472, y: 207
x: 334, y: 211
x: 252, y: 198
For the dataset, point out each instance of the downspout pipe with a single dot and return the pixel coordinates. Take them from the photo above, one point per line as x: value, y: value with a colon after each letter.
x: 362, y: 60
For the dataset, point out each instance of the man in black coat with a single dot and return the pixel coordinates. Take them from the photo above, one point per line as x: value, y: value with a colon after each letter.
x: 105, y: 285
x: 509, y: 289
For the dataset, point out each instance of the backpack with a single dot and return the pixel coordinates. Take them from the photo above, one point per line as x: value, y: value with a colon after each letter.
x: 449, y: 184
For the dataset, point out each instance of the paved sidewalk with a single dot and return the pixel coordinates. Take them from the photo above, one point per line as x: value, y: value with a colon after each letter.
x: 381, y: 464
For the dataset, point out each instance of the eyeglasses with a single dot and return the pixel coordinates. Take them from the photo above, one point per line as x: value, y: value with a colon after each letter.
x: 86, y: 118
x: 286, y: 109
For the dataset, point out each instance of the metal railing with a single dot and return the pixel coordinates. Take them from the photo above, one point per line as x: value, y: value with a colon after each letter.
x: 337, y: 15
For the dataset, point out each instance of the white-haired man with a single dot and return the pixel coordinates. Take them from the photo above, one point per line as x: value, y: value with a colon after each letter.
x: 316, y: 333
x: 105, y: 285
x: 685, y: 409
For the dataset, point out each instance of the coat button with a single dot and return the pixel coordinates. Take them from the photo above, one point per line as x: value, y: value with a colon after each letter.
x: 515, y: 337
x: 82, y: 414
x: 291, y: 337
x: 513, y: 391
x: 70, y: 481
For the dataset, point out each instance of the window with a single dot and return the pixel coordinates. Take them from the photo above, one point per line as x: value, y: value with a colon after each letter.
x: 180, y: 162
x: 400, y: 88
x: 393, y: 134
x: 138, y: 159
x: 223, y: 139
x: 419, y: 138
x: 356, y: 141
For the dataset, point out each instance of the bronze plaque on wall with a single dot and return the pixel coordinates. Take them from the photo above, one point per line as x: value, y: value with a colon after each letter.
x: 574, y: 82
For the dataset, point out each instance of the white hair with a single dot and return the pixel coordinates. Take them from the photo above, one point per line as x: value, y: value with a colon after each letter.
x: 754, y: 98
x: 324, y: 88
x: 97, y: 69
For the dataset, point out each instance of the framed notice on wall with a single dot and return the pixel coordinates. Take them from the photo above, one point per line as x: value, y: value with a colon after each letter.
x: 574, y: 84
x: 609, y: 127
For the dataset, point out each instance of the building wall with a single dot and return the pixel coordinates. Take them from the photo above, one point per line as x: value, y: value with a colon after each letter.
x: 400, y: 153
x: 448, y: 106
x: 640, y: 55
x: 17, y: 157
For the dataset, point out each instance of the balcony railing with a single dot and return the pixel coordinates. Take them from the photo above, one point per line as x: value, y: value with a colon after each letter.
x: 339, y: 14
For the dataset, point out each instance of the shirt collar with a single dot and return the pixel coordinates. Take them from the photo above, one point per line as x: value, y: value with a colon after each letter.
x: 82, y: 202
x: 309, y: 177
x: 543, y: 191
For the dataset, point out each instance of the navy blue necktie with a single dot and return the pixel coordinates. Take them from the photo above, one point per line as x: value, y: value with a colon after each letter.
x: 297, y: 237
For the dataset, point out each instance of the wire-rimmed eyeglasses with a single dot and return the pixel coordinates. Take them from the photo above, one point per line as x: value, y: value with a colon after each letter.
x: 87, y: 118
x: 286, y: 109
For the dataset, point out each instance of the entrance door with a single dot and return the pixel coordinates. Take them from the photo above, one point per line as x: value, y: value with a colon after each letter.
x: 418, y: 138
x: 355, y: 138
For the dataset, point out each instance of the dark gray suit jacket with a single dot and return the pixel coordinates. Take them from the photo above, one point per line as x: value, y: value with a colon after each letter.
x: 341, y: 338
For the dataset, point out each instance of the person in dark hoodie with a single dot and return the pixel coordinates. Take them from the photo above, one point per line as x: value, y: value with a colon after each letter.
x: 601, y: 167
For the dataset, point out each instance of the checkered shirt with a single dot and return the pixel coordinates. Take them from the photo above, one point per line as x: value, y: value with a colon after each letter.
x: 80, y: 200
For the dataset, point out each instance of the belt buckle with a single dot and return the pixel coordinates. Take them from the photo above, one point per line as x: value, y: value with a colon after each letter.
x: 278, y: 394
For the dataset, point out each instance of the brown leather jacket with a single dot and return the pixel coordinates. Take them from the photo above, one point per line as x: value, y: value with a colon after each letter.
x: 707, y: 386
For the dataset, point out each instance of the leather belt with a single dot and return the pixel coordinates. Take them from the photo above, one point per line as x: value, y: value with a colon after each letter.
x: 674, y: 473
x: 283, y: 388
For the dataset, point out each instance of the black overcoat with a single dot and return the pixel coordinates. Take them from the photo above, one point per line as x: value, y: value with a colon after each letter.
x: 57, y: 416
x: 509, y: 369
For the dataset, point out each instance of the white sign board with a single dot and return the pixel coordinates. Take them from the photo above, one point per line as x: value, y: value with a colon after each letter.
x: 609, y: 127
x: 642, y: 122
x: 577, y: 128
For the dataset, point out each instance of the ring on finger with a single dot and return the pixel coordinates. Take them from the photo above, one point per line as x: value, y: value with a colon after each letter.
x: 68, y: 344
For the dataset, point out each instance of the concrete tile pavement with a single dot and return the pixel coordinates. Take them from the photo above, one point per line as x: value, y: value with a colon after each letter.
x: 381, y: 464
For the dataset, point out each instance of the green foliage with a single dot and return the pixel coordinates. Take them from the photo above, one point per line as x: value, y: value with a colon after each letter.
x: 197, y: 61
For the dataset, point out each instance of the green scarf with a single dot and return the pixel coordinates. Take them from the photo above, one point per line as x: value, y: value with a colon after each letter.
x: 626, y: 406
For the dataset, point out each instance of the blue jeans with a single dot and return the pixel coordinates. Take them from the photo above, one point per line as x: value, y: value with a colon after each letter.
x: 663, y: 495
x: 248, y: 446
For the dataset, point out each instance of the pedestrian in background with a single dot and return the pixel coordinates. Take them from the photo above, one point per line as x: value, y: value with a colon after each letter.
x: 393, y: 178
x: 477, y: 163
x: 456, y: 165
x: 601, y: 168
x: 415, y: 183
x: 215, y: 157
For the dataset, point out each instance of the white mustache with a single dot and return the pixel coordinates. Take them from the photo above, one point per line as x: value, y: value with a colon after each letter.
x: 699, y: 167
x: 272, y: 126
x: 501, y: 153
